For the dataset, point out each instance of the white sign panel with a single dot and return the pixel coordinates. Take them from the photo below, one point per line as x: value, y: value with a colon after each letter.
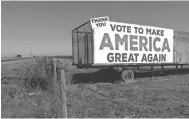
x: 99, y: 22
x: 122, y: 43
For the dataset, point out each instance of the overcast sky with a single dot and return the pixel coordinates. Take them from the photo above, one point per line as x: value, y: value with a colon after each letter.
x: 46, y: 26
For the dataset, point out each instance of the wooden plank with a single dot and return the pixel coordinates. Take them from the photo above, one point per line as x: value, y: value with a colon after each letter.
x: 83, y: 32
x: 92, y: 42
x: 81, y: 25
x: 87, y: 49
x: 78, y: 47
x: 63, y: 94
x: 73, y: 49
x: 54, y: 72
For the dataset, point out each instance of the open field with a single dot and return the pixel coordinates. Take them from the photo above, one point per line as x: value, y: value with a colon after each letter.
x: 14, y: 59
x: 10, y: 68
x: 161, y: 96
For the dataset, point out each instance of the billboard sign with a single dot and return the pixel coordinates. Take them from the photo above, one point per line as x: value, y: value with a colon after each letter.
x: 123, y: 43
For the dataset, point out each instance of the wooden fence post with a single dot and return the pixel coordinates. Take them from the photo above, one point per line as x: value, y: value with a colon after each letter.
x: 63, y: 94
x: 55, y: 81
x: 54, y: 72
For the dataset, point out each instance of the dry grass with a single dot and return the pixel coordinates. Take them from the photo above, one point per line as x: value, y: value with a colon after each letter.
x: 31, y: 92
x: 148, y: 97
x: 139, y: 99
